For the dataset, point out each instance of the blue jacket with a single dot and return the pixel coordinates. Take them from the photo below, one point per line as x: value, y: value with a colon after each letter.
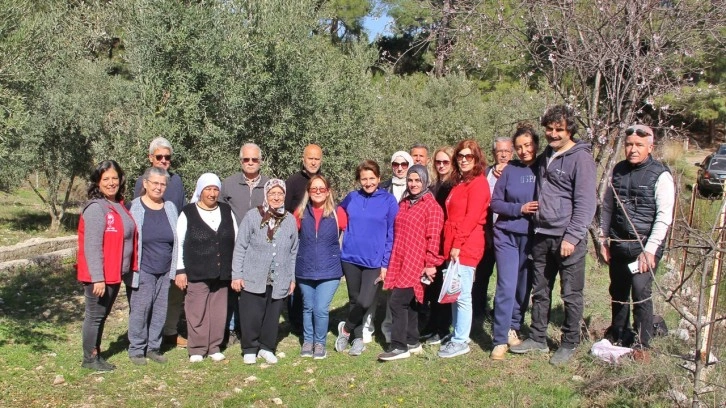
x: 368, y: 239
x: 318, y: 253
x: 514, y: 188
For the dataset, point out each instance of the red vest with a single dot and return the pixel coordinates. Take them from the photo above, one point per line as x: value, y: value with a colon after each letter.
x: 113, y: 247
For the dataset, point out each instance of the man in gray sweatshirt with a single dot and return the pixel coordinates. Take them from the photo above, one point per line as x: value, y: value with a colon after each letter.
x: 565, y: 191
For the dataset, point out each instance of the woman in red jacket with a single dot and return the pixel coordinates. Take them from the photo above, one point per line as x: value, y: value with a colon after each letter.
x: 415, y: 256
x: 107, y: 244
x: 466, y: 213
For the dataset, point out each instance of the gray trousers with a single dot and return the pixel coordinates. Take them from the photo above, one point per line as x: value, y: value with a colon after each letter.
x: 147, y: 313
x: 206, y: 310
x: 94, y: 320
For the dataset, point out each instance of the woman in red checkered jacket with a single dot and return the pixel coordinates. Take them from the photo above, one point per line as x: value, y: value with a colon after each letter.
x: 415, y: 256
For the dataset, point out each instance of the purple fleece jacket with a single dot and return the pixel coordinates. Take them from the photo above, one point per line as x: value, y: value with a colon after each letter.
x: 566, y: 193
x: 514, y: 188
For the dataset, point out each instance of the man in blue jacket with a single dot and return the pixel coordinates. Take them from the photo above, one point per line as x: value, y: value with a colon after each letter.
x: 565, y: 191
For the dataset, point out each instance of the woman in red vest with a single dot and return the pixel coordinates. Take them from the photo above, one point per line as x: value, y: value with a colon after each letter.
x: 107, y: 244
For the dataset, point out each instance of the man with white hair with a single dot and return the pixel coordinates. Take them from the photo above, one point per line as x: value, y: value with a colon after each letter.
x: 160, y: 153
x: 242, y: 191
x: 636, y: 214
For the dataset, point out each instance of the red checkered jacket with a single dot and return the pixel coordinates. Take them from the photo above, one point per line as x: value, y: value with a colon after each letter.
x: 416, y: 244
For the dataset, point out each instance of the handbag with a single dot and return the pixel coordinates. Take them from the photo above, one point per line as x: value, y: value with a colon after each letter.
x: 451, y: 288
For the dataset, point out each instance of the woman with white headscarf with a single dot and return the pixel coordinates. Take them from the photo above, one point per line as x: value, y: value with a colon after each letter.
x: 206, y: 232
x: 263, y: 271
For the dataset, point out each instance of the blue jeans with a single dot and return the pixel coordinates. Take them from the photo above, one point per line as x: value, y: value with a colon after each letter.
x: 461, y: 310
x: 316, y: 295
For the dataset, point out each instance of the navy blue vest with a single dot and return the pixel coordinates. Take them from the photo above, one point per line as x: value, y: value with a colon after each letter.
x: 635, y: 185
x: 208, y: 254
x: 318, y: 255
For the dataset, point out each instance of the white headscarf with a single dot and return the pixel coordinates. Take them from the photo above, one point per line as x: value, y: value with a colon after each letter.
x: 205, y: 180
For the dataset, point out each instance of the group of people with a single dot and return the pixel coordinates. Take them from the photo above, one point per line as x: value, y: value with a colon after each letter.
x: 245, y: 245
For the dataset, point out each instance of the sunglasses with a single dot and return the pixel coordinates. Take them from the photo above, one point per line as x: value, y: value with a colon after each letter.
x: 403, y: 165
x: 321, y: 190
x: 250, y: 159
x: 442, y: 162
x: 461, y: 156
x: 166, y: 157
x: 639, y: 132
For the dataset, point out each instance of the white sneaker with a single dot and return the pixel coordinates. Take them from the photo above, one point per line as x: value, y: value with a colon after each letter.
x: 249, y: 358
x: 268, y: 356
x: 217, y: 356
x: 196, y: 358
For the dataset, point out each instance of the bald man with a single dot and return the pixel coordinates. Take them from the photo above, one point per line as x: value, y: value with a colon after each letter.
x: 312, y: 159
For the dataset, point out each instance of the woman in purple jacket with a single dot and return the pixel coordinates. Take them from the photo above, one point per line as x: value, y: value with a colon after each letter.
x: 513, y: 201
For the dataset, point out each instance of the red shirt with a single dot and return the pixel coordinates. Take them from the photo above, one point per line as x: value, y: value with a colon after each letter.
x: 342, y: 218
x: 466, y: 210
x: 416, y: 240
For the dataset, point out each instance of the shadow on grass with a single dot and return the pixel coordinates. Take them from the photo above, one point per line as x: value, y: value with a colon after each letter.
x: 38, y: 221
x: 37, y: 303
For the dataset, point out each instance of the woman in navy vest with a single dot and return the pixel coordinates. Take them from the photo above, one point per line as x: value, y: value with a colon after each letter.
x: 206, y: 232
x: 318, y: 269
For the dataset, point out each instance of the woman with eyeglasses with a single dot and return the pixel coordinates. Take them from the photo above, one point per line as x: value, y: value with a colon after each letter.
x: 206, y: 231
x: 439, y: 319
x: 318, y: 269
x: 156, y: 221
x: 513, y: 201
x: 107, y: 245
x: 466, y: 211
x: 367, y: 245
x: 263, y: 272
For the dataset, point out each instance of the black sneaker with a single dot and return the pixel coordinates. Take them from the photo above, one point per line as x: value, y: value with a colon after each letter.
x: 138, y: 360
x: 562, y: 356
x: 529, y: 345
x: 394, y: 354
x: 154, y: 355
x: 94, y: 363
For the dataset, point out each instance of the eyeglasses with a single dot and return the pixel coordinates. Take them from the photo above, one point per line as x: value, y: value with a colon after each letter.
x: 403, y: 165
x: 321, y: 190
x: 639, y: 132
x: 156, y: 184
x: 276, y: 195
x: 250, y: 159
x: 461, y: 156
x: 166, y: 157
x: 442, y: 162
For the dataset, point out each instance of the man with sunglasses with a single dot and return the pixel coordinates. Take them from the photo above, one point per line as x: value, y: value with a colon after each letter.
x: 242, y: 191
x: 160, y: 152
x: 565, y: 191
x: 636, y: 212
x: 312, y: 160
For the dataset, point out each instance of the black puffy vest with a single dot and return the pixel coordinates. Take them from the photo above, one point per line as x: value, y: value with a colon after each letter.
x: 208, y: 254
x: 635, y: 186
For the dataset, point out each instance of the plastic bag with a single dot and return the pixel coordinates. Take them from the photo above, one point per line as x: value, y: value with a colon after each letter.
x: 451, y: 288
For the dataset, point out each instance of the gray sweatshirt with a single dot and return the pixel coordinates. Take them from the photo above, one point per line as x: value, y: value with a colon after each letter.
x: 566, y: 191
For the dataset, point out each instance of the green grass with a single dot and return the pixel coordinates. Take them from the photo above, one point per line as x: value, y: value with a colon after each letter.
x: 40, y: 320
x: 23, y: 216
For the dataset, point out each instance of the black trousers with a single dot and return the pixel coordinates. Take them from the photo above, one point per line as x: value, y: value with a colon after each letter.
x: 439, y: 319
x: 259, y: 320
x: 362, y: 291
x: 623, y: 284
x: 482, y: 276
x: 404, y: 316
x: 547, y: 264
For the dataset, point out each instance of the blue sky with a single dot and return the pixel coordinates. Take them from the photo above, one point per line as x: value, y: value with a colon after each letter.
x: 377, y: 25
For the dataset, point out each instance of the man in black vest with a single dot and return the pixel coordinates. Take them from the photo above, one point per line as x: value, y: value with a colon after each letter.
x: 636, y: 213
